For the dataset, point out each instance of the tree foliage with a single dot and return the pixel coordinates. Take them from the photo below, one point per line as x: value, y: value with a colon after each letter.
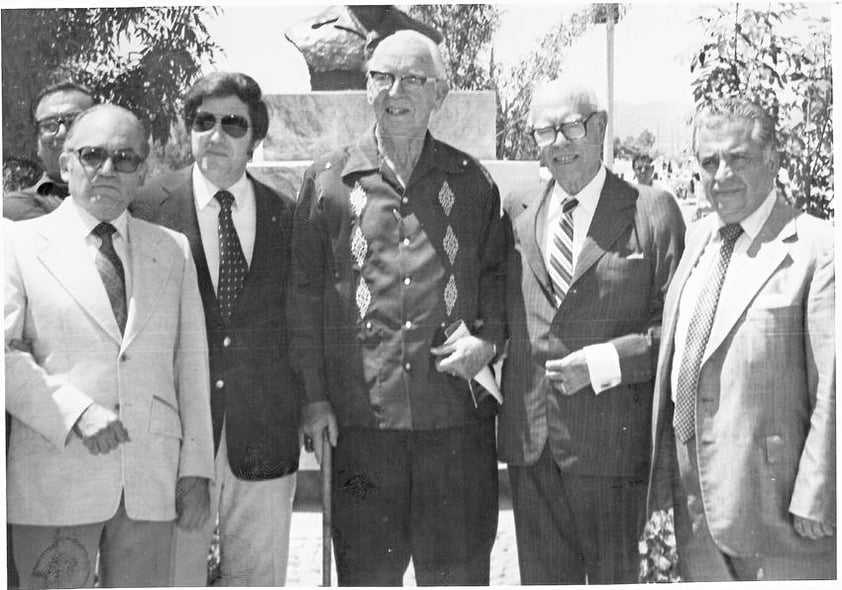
x: 746, y: 53
x: 545, y: 61
x: 632, y: 146
x: 468, y: 30
x: 141, y: 58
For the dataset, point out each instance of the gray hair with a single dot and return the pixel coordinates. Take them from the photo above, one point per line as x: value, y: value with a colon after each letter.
x: 739, y: 109
x: 565, y: 88
x: 408, y: 38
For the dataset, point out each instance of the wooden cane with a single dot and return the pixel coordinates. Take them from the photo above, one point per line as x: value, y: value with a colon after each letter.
x: 326, y: 468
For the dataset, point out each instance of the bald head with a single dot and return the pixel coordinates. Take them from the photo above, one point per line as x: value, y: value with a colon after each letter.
x: 565, y: 90
x: 411, y: 45
x: 111, y: 112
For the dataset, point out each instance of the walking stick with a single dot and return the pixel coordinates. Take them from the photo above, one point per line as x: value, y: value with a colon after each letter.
x: 326, y: 468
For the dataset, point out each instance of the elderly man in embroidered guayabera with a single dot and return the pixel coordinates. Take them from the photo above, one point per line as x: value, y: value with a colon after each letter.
x: 106, y: 374
x: 398, y: 276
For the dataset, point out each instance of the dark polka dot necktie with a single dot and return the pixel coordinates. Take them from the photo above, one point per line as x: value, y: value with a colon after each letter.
x: 232, y: 263
x: 684, y: 420
x: 111, y: 271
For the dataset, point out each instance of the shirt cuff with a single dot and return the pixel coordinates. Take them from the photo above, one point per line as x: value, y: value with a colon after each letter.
x: 603, y: 366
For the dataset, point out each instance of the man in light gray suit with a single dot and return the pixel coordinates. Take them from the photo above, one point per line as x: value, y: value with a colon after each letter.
x: 745, y: 394
x: 106, y: 374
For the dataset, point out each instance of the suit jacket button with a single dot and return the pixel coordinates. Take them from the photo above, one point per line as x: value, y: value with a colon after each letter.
x: 220, y: 384
x: 124, y: 357
x: 226, y: 342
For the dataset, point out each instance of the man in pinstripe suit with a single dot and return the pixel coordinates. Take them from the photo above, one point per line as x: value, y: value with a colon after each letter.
x: 592, y: 261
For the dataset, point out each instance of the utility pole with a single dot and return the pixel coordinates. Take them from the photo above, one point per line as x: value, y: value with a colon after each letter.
x: 608, y: 147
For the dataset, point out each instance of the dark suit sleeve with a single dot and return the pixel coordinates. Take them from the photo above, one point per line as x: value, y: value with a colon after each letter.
x: 310, y: 250
x: 814, y: 494
x: 638, y: 352
x: 492, y: 278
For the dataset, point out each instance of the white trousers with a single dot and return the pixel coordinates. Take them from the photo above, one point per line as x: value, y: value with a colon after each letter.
x: 254, y: 524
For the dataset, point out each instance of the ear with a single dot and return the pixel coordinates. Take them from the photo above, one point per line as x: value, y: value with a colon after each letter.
x: 600, y: 124
x: 64, y: 159
x: 142, y: 170
x: 253, y: 147
x: 442, y: 90
x: 370, y: 91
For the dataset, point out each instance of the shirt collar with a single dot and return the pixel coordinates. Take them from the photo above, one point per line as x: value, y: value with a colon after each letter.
x: 88, y: 222
x: 588, y: 197
x: 204, y: 190
x: 757, y: 219
x: 363, y: 156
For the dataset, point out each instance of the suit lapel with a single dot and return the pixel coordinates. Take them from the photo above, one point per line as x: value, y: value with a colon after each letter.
x: 267, y: 256
x: 529, y: 229
x: 178, y: 212
x: 66, y: 257
x: 614, y: 212
x: 766, y: 252
x: 151, y: 269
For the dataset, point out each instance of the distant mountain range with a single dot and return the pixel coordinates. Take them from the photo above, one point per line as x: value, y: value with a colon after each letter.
x: 667, y: 120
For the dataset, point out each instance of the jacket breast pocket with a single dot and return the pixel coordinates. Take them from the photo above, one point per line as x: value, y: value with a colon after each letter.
x: 164, y: 418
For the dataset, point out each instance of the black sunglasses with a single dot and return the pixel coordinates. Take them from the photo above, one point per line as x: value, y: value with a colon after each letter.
x: 121, y: 160
x: 233, y: 125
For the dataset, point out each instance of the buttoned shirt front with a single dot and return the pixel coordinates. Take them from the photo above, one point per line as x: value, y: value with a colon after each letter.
x: 408, y: 263
x: 739, y: 263
x: 243, y: 212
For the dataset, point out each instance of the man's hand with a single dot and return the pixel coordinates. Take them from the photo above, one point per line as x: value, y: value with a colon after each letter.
x: 100, y: 429
x: 464, y: 358
x: 569, y: 374
x: 192, y: 502
x: 812, y: 529
x: 48, y: 202
x: 318, y: 417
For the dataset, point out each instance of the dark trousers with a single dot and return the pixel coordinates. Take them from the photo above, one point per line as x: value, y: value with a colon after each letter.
x: 575, y: 529
x: 426, y: 495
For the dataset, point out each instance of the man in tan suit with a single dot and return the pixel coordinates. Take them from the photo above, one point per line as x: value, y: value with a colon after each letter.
x: 744, y: 411
x: 106, y: 374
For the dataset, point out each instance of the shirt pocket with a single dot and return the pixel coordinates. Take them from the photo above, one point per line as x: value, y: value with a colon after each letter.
x: 164, y: 418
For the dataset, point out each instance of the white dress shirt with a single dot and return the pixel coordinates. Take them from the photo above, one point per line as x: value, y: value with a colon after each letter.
x: 243, y: 213
x: 120, y: 239
x: 739, y: 264
x: 603, y: 360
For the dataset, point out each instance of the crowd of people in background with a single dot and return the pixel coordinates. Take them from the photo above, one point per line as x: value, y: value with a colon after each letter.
x: 170, y: 343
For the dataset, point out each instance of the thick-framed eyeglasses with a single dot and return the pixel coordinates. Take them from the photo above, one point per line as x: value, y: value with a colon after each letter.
x: 51, y: 125
x: 572, y: 131
x: 121, y: 160
x: 233, y: 125
x: 409, y: 82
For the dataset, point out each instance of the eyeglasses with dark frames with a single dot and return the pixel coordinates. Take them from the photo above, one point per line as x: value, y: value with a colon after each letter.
x: 571, y: 130
x: 409, y: 82
x: 51, y: 125
x: 121, y: 160
x: 235, y: 126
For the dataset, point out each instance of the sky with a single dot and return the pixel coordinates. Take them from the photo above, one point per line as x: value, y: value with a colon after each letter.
x: 652, y: 43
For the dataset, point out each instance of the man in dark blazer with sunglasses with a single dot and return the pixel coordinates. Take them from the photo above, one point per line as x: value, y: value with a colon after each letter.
x: 239, y: 231
x: 592, y: 260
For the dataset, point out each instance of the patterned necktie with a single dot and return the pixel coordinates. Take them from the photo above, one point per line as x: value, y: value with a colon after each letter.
x: 684, y: 420
x: 111, y: 271
x: 561, y: 252
x: 232, y: 263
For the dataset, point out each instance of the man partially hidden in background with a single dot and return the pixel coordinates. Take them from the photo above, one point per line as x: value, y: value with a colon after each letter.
x: 53, y: 111
x: 745, y: 395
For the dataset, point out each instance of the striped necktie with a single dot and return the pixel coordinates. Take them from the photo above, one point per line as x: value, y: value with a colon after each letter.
x: 561, y: 252
x: 111, y: 271
x: 684, y: 419
x: 232, y: 262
